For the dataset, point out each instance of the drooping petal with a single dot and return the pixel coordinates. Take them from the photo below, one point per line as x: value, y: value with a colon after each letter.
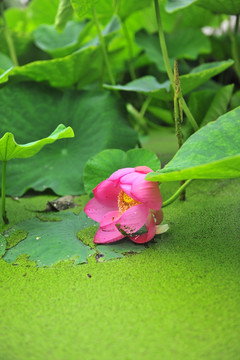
x: 143, y: 169
x: 147, y: 192
x: 110, y: 219
x: 151, y: 227
x: 133, y: 219
x: 96, y: 210
x: 105, y: 236
x: 107, y: 193
x: 108, y: 231
x: 119, y: 173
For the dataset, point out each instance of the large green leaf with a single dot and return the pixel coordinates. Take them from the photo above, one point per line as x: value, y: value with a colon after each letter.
x: 213, y: 152
x: 49, y: 242
x: 200, y: 74
x: 123, y: 8
x: 38, y: 12
x: 186, y: 43
x: 208, y: 105
x: 217, y: 6
x: 65, y: 237
x: 199, y: 102
x: 82, y: 7
x: 9, y: 149
x: 99, y: 121
x: 231, y: 7
x: 80, y: 68
x: 219, y: 104
x: 17, y: 20
x: 149, y: 85
x: 42, y: 11
x: 129, y: 7
x: 102, y: 165
x: 59, y: 44
x: 175, y: 5
x: 146, y: 84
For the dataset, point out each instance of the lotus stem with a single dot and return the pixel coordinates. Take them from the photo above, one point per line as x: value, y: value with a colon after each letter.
x: 145, y: 105
x: 8, y: 37
x: 168, y: 65
x: 103, y: 46
x: 177, y: 194
x: 178, y: 115
x: 139, y: 118
x: 116, y: 5
x: 3, y: 193
x: 130, y: 50
x: 235, y: 50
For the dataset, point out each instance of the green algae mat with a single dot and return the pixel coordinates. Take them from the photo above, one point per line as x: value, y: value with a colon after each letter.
x: 177, y: 299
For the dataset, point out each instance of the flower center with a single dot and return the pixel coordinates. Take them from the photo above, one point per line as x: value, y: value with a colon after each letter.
x: 125, y: 202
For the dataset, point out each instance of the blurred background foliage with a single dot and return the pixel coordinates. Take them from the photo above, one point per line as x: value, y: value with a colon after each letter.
x: 51, y: 52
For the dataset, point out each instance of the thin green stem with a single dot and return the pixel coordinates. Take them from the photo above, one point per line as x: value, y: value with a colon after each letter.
x: 103, y: 46
x: 116, y: 6
x: 235, y: 50
x: 168, y: 65
x: 145, y: 105
x: 163, y: 43
x: 130, y: 50
x: 11, y: 47
x: 189, y: 115
x: 8, y: 38
x: 177, y: 193
x: 3, y: 192
x: 178, y: 115
x: 140, y: 120
x: 236, y: 24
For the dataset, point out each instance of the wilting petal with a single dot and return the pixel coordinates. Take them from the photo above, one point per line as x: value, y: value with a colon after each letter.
x: 160, y: 229
x: 158, y: 216
x: 133, y: 219
x: 143, y: 169
x: 96, y: 210
x: 104, y: 236
x: 147, y: 192
x: 119, y: 173
x: 107, y: 193
x: 151, y: 227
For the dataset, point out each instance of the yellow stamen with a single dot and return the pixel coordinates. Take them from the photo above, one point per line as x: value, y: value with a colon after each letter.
x: 127, y: 198
x: 125, y: 202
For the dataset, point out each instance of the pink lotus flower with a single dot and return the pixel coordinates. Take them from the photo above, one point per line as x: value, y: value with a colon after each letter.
x: 123, y: 204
